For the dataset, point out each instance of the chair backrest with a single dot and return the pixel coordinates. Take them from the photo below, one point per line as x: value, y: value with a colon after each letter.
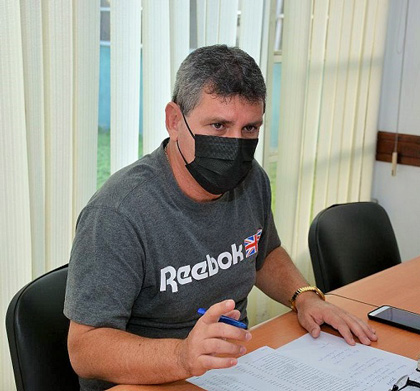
x: 350, y: 241
x: 37, y: 332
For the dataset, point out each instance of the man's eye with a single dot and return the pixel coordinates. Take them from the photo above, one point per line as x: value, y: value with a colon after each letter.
x: 217, y: 126
x: 250, y: 129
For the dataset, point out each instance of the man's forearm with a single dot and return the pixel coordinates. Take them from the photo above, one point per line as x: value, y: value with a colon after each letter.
x: 279, y: 278
x: 121, y: 357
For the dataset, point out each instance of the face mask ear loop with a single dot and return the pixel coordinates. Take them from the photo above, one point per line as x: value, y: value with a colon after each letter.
x: 188, y: 126
x: 179, y: 149
x: 192, y: 135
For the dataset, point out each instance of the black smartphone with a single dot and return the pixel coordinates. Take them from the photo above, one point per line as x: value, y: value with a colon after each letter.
x: 396, y: 317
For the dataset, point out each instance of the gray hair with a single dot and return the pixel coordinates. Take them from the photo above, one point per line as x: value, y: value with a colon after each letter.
x: 220, y: 70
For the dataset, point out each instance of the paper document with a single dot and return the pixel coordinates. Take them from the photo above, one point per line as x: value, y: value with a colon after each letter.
x: 326, y: 363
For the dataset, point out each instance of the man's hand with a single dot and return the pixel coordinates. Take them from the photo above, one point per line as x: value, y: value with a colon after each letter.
x: 313, y: 312
x: 210, y: 343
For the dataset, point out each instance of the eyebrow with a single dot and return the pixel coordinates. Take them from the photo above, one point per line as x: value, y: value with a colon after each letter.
x: 216, y: 120
x: 256, y: 123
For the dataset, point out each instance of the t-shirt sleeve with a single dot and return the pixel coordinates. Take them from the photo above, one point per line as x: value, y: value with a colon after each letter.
x: 270, y: 239
x: 105, y: 270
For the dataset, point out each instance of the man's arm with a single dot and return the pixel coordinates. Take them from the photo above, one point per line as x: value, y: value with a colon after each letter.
x: 279, y: 278
x: 121, y: 357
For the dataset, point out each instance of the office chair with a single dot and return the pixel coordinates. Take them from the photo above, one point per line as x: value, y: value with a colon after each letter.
x: 37, y: 332
x: 350, y: 241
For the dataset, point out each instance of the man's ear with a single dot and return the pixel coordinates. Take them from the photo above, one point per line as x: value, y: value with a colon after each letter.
x: 172, y: 119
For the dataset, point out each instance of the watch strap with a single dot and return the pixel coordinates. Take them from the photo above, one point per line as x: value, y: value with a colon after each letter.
x: 305, y: 289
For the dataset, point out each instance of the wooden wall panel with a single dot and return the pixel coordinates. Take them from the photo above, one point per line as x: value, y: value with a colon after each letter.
x: 408, y: 148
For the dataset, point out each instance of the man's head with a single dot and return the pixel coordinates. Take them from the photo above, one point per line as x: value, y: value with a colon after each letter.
x: 214, y: 120
x: 218, y: 70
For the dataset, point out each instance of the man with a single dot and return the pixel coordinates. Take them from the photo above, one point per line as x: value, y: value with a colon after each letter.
x: 188, y: 226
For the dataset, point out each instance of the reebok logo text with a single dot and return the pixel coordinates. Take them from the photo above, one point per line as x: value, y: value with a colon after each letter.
x: 171, y: 277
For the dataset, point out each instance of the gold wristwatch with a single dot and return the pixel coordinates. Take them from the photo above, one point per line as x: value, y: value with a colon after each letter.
x: 305, y: 289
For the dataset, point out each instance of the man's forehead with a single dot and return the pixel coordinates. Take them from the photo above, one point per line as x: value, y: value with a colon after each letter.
x: 212, y: 99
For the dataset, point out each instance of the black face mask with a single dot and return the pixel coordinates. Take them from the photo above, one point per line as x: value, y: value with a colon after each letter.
x: 220, y: 163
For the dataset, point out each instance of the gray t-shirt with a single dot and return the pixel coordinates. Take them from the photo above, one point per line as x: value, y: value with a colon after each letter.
x: 146, y: 257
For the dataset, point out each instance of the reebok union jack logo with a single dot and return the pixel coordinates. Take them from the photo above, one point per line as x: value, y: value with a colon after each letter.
x: 251, y: 244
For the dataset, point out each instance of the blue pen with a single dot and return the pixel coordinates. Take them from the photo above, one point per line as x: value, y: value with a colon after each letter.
x: 226, y: 319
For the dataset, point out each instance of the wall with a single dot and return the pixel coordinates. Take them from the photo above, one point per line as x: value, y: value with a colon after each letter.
x: 400, y: 194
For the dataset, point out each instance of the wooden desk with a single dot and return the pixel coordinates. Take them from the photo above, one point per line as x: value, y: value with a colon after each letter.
x: 398, y: 286
x: 285, y: 328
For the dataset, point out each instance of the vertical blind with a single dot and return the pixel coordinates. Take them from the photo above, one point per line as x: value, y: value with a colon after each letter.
x: 332, y: 66
x: 157, y: 69
x: 125, y: 81
x: 49, y: 76
x: 15, y: 235
x: 49, y: 64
